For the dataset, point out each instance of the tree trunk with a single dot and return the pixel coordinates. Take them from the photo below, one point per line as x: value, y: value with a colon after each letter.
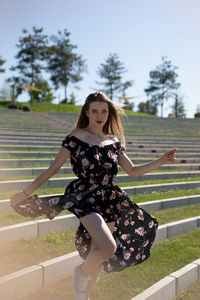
x: 176, y: 106
x: 66, y: 94
x: 13, y: 95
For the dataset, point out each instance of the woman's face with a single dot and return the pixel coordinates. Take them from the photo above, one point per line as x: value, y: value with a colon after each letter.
x: 97, y: 113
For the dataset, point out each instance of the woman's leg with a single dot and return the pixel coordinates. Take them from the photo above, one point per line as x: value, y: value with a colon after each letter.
x: 95, y: 272
x: 103, y: 248
x: 104, y: 244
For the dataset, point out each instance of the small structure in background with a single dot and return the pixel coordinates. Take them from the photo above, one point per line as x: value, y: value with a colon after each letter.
x: 197, y: 115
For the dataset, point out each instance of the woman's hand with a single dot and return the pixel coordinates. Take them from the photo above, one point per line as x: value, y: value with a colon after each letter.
x: 17, y: 198
x: 169, y: 157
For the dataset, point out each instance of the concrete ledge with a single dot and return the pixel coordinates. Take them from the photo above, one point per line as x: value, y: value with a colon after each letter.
x: 165, y: 289
x: 185, y: 276
x: 161, y: 233
x: 149, y: 205
x: 35, y: 277
x: 10, y: 185
x: 59, y: 223
x: 18, y: 231
x: 197, y: 262
x: 5, y: 205
x: 182, y: 226
x: 14, y: 232
x: 60, y: 267
x: 21, y: 283
x: 173, y: 284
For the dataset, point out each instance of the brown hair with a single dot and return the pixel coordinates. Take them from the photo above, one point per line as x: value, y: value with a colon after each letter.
x: 113, y: 125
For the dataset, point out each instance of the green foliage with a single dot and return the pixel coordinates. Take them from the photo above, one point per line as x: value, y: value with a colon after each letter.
x: 12, y: 106
x: 147, y: 107
x: 45, y: 96
x: 129, y: 105
x: 15, y: 82
x: 1, y: 63
x: 111, y: 72
x: 124, y: 86
x: 72, y: 99
x: 32, y: 50
x: 64, y: 65
x: 26, y: 108
x: 178, y: 108
x: 162, y: 83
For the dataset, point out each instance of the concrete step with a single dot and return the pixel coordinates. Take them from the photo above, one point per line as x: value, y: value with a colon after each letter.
x: 172, y: 285
x: 7, y: 162
x: 10, y: 185
x: 135, y: 141
x: 31, y: 229
x: 68, y: 170
x: 16, y: 185
x: 12, y: 172
x: 35, y: 277
x: 24, y: 151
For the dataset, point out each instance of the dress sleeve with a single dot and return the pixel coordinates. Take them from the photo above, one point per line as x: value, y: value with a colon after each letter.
x: 69, y: 144
x: 121, y: 149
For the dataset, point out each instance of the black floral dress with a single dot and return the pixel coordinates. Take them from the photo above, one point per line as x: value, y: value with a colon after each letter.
x: 95, y: 190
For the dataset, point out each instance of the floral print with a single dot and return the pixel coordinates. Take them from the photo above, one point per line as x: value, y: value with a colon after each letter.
x: 95, y: 190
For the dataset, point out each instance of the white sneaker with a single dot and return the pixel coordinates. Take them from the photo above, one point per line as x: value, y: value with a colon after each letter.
x: 80, y: 284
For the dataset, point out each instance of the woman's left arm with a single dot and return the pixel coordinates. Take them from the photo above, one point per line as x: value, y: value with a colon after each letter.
x: 135, y: 171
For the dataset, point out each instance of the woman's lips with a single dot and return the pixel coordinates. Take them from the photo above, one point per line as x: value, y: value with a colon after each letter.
x: 99, y: 122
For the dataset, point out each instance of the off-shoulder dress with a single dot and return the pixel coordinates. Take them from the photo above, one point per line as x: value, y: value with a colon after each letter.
x: 95, y: 190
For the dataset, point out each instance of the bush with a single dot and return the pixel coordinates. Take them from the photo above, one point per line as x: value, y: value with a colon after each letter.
x: 12, y: 106
x: 26, y: 108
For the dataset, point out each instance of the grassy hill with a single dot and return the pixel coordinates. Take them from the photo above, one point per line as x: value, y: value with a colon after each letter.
x: 65, y: 108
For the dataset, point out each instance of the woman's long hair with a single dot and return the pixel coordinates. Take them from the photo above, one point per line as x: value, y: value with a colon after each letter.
x: 113, y: 125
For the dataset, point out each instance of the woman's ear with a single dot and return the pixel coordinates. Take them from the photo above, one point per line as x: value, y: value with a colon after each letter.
x: 86, y: 112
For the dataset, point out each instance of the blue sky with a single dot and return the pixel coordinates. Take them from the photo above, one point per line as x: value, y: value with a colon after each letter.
x: 140, y: 32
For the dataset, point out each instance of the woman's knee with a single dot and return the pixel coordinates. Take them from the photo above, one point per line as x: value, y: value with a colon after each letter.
x: 109, y: 249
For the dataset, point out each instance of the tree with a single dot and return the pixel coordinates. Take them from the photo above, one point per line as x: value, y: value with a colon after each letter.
x: 63, y: 63
x: 72, y: 99
x: 14, y: 82
x: 1, y: 63
x: 124, y: 86
x: 45, y: 96
x: 111, y: 72
x: 32, y: 50
x: 147, y: 107
x: 178, y: 108
x: 162, y: 83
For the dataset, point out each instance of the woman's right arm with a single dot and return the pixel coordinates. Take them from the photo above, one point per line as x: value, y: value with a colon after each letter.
x: 52, y: 170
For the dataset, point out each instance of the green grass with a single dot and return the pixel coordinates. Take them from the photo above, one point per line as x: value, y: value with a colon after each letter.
x: 58, y: 175
x: 34, y: 176
x: 176, y: 213
x: 133, y: 113
x: 20, y: 254
x: 66, y: 108
x: 148, y: 182
x: 27, y: 252
x: 50, y: 107
x: 46, y: 191
x: 137, y: 197
x: 164, y: 195
x: 28, y: 157
x: 10, y: 217
x: 191, y: 293
x: 166, y: 257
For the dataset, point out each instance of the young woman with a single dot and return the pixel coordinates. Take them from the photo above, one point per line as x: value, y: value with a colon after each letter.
x: 114, y: 231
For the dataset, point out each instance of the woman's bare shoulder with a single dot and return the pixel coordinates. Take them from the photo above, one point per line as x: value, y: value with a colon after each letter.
x: 77, y: 132
x: 114, y: 138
